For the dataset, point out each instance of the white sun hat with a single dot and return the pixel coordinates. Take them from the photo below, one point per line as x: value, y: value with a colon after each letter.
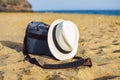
x: 63, y: 39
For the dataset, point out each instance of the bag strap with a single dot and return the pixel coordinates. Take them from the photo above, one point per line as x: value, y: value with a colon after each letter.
x: 77, y: 63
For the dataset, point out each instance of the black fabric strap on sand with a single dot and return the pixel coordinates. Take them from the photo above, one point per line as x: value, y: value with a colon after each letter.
x: 77, y: 63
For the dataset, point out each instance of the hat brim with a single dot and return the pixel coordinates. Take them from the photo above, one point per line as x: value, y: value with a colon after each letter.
x: 54, y: 51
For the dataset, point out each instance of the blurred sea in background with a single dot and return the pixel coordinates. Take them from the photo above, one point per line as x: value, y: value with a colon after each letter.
x: 101, y: 12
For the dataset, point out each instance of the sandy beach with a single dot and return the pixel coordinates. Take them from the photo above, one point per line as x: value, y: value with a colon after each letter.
x: 99, y: 40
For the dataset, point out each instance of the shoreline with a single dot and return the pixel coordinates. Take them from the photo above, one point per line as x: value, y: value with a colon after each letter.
x: 60, y: 13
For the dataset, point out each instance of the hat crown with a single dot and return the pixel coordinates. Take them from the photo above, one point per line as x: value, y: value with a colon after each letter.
x: 66, y: 35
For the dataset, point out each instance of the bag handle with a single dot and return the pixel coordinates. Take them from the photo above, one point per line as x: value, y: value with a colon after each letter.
x: 77, y: 63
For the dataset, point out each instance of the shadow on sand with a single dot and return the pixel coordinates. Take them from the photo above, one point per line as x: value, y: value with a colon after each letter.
x: 12, y: 45
x: 106, y: 77
x: 19, y: 47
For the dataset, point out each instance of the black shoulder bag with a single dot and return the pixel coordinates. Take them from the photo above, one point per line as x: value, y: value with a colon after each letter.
x: 35, y: 42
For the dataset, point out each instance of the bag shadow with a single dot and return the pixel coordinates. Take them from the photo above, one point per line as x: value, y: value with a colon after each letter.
x: 12, y: 45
